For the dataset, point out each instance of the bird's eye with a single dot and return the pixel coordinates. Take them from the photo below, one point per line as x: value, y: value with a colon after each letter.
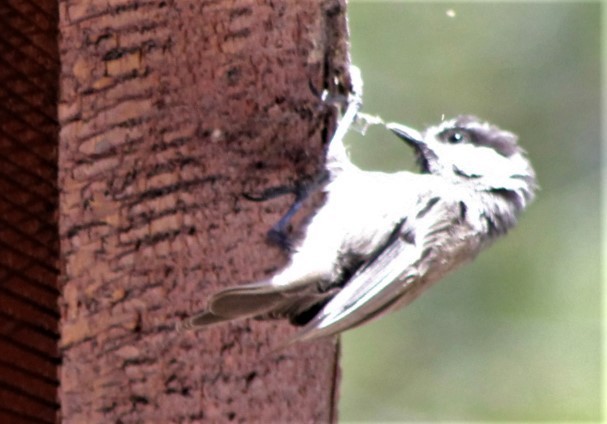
x: 455, y: 136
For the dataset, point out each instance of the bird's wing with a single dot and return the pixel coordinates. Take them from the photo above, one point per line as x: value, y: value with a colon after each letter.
x: 377, y: 286
x: 378, y: 283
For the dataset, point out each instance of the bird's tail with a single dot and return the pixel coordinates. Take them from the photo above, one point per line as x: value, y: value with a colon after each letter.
x: 237, y: 302
x: 260, y: 300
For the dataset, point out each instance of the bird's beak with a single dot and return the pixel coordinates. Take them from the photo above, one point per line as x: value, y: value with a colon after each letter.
x: 411, y: 136
x: 414, y: 139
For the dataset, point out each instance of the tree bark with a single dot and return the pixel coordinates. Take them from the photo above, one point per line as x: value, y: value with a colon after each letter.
x: 170, y: 110
x: 29, y: 242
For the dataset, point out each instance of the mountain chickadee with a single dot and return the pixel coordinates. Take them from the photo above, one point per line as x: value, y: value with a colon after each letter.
x: 381, y: 239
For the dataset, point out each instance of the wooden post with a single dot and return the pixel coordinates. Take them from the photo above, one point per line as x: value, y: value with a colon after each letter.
x: 170, y: 110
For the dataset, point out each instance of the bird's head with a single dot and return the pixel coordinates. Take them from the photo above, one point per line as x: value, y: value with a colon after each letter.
x: 469, y: 151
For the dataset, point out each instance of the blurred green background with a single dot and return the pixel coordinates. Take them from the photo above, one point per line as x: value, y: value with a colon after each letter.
x: 516, y: 335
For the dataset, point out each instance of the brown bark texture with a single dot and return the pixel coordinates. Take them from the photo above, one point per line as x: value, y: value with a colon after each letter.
x: 170, y: 110
x: 29, y: 242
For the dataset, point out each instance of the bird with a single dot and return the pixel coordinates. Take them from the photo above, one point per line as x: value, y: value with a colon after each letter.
x: 381, y: 239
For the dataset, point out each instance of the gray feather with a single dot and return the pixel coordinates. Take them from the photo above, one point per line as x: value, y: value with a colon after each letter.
x: 370, y: 293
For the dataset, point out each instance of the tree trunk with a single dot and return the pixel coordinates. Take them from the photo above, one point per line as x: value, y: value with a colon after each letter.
x: 170, y: 110
x: 29, y: 242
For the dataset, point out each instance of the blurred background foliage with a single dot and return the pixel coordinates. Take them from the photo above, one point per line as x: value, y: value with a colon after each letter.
x: 516, y: 335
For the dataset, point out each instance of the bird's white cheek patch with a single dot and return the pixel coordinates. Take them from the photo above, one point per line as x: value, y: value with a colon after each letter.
x: 482, y: 161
